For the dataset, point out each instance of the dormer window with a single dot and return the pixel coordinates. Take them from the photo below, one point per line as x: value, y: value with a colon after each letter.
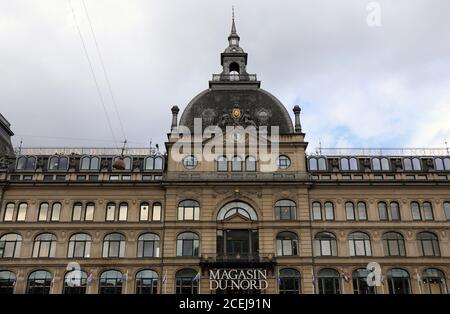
x: 234, y: 41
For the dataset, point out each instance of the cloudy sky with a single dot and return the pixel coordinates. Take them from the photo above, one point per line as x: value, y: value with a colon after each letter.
x: 358, y: 86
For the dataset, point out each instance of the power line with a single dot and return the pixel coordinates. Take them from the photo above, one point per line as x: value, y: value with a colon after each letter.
x: 105, y: 73
x: 102, y: 101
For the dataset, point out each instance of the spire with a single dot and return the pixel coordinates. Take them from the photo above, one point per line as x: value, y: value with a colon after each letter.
x: 233, y: 25
x: 233, y: 39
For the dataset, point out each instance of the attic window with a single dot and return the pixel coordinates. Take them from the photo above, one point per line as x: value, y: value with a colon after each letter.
x: 234, y: 67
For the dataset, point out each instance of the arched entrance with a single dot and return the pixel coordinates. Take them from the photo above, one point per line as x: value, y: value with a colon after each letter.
x: 237, y: 237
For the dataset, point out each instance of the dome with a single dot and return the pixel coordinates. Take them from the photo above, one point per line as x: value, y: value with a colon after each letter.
x: 258, y: 105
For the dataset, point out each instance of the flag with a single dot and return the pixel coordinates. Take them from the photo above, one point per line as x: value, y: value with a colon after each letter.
x: 89, y: 278
x: 313, y: 278
x: 346, y: 277
x: 164, y: 277
x: 125, y: 277
x: 197, y: 277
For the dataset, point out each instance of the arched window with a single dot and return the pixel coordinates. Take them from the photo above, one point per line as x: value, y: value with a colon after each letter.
x: 79, y: 246
x: 147, y: 282
x: 415, y: 211
x: 353, y: 164
x: 407, y: 164
x: 77, y: 211
x: 416, y: 164
x: 123, y: 211
x: 398, y: 281
x: 322, y: 164
x: 153, y: 214
x: 187, y: 244
x: 149, y: 163
x: 287, y: 244
x: 236, y: 163
x: 43, y: 212
x: 350, y: 211
x: 114, y: 245
x: 283, y: 162
x: 428, y: 244
x: 447, y: 210
x: 7, y: 282
x: 10, y: 245
x: 395, y: 211
x: 222, y: 163
x: 110, y: 282
x: 26, y: 163
x: 237, y: 208
x: 44, y: 245
x: 110, y: 211
x: 22, y: 213
x: 362, y: 211
x: 434, y: 281
x: 385, y: 164
x: 376, y: 164
x: 393, y: 244
x: 250, y: 164
x: 58, y: 163
x: 427, y: 211
x: 359, y: 244
x: 439, y: 164
x: 56, y: 212
x: 317, y: 211
x: 344, y: 164
x: 148, y: 245
x: 9, y: 212
x: 90, y: 209
x: 359, y: 278
x: 382, y: 211
x: 325, y: 244
x: 89, y: 163
x: 75, y: 282
x: 285, y: 210
x: 313, y: 166
x: 447, y: 163
x: 329, y: 211
x: 186, y: 281
x: 190, y: 162
x: 158, y: 163
x: 39, y: 282
x: 329, y: 281
x: 126, y: 161
x: 188, y: 210
x: 289, y: 281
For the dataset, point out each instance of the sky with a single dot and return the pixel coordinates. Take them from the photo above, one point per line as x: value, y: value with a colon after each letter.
x: 358, y: 84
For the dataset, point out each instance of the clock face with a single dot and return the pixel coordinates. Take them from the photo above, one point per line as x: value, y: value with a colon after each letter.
x: 236, y: 113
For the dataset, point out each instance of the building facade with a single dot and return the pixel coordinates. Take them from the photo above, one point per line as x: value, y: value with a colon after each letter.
x: 94, y: 221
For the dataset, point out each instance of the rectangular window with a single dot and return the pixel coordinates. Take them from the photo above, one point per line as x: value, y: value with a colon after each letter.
x: 43, y: 212
x: 81, y: 178
x: 113, y: 177
x: 325, y: 247
x: 189, y: 213
x: 447, y: 210
x: 93, y: 178
x: 287, y: 247
x: 126, y: 177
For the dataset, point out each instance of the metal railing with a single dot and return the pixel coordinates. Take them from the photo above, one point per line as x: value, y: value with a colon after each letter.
x: 234, y: 77
x: 106, y: 151
x: 380, y: 152
x: 236, y: 176
x: 238, y: 258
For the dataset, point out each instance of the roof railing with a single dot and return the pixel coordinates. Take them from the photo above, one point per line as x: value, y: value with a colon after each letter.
x: 105, y: 151
x: 320, y: 151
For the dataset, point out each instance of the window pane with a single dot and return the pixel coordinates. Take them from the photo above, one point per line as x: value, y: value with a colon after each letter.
x: 89, y: 212
x: 9, y: 212
x: 56, y: 211
x: 123, y: 212
x: 110, y: 212
x: 144, y: 212
x: 156, y: 212
x: 21, y: 215
x: 43, y: 211
x: 447, y: 210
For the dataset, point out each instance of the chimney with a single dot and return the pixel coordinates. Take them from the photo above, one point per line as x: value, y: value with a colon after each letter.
x: 175, y: 111
x: 298, y: 126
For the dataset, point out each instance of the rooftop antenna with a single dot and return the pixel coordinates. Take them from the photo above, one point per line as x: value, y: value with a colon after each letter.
x: 320, y: 147
x: 20, y: 147
x: 446, y: 147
